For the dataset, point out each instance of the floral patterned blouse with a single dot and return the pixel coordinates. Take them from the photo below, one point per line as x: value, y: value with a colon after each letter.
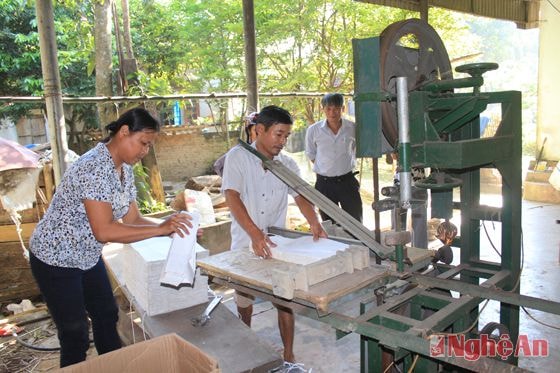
x: 64, y: 238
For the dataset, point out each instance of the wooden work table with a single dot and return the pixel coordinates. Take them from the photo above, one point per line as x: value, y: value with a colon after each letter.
x: 226, y: 338
x: 243, y: 268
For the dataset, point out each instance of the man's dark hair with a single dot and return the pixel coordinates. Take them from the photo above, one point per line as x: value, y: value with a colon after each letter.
x: 271, y: 115
x: 332, y: 99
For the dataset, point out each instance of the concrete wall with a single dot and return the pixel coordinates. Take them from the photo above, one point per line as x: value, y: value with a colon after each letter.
x: 548, y: 115
x: 183, y: 152
x: 32, y: 129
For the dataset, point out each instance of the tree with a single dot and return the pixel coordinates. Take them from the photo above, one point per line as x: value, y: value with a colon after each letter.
x: 197, y: 46
x: 20, y: 67
x: 302, y: 45
x: 104, y: 59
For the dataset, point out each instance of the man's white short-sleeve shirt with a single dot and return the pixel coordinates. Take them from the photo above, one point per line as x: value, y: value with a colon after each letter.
x: 264, y: 195
x: 332, y: 155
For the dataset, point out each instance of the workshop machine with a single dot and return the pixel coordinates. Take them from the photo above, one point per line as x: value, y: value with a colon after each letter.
x: 421, y: 313
x: 406, y: 94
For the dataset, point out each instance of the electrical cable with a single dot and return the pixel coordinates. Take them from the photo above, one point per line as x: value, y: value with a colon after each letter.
x: 489, y: 239
x: 538, y: 321
x: 519, y: 277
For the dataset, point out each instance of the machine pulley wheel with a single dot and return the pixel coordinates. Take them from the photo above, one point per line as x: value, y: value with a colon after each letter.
x: 413, y: 49
x: 492, y: 327
x: 438, y: 181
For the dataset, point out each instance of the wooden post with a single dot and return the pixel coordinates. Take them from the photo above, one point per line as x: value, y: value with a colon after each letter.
x: 49, y: 186
x: 250, y: 55
x: 424, y: 10
x: 53, y: 92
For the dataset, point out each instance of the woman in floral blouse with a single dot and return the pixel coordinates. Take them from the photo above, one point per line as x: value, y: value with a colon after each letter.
x: 95, y: 203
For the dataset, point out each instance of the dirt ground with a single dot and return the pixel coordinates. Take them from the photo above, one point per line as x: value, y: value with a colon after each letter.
x: 17, y: 358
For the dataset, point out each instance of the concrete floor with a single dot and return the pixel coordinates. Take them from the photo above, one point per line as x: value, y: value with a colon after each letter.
x: 317, y: 347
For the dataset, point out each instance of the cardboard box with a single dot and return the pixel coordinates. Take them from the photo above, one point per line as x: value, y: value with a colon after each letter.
x: 168, y: 353
x: 143, y: 263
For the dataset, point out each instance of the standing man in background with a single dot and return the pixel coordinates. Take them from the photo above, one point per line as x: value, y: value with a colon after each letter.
x: 330, y: 145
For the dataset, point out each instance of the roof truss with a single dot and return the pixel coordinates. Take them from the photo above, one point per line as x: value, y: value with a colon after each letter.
x: 525, y: 13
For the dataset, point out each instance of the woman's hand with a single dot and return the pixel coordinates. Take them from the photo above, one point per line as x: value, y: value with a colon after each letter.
x: 179, y: 223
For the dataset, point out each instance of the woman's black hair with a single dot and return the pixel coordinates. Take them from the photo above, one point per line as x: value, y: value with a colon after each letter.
x: 137, y: 119
x: 271, y: 115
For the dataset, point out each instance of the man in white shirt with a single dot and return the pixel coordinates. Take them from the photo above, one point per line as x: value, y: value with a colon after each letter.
x: 330, y: 145
x: 257, y: 200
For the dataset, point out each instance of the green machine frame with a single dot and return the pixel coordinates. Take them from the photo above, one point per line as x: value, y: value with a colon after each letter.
x: 405, y: 313
x: 445, y: 136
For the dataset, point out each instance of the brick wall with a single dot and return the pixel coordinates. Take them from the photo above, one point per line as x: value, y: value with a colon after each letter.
x: 183, y: 152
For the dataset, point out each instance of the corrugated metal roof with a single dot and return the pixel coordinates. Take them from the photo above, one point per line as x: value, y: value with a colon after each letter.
x: 525, y: 13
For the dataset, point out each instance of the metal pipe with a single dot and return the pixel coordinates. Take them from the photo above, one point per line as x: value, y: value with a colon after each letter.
x: 404, y: 142
x: 405, y: 178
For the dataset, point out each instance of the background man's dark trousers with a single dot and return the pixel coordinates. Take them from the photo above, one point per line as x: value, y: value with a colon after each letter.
x: 343, y: 190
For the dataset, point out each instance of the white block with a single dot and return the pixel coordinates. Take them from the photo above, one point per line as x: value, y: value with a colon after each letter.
x: 143, y: 264
x: 304, y: 250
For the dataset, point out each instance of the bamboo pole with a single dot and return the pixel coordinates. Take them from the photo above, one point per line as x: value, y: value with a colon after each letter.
x: 191, y: 96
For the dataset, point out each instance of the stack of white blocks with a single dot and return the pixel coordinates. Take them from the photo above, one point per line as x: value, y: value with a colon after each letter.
x: 143, y: 264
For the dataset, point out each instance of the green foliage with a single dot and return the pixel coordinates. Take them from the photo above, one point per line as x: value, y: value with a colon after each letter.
x: 198, y: 46
x: 20, y: 60
x: 20, y: 67
x: 146, y: 203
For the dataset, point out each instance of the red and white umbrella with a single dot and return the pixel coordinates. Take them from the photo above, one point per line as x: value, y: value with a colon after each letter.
x: 14, y: 156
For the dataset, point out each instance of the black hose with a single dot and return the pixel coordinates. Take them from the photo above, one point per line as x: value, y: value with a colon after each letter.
x: 35, y: 347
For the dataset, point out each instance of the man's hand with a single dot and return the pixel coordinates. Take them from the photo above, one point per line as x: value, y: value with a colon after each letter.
x: 262, y: 244
x: 308, y: 210
x: 318, y: 231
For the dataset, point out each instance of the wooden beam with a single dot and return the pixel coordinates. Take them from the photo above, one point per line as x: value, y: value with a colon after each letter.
x: 524, y: 13
x: 8, y: 233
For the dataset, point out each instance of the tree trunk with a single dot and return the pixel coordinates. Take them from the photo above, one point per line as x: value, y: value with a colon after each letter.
x: 126, y: 30
x: 103, y: 60
x: 129, y: 67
